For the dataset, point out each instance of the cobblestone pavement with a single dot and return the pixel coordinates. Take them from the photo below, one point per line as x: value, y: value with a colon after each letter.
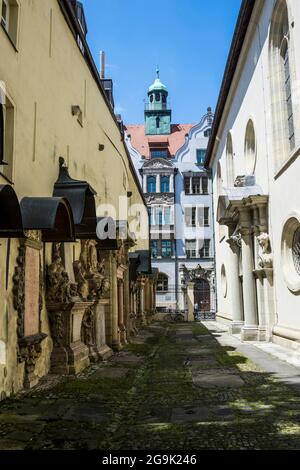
x: 173, y: 387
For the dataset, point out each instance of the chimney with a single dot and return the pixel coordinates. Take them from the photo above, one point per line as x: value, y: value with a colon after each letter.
x: 102, y: 65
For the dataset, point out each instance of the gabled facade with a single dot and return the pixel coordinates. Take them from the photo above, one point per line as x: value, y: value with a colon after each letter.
x: 169, y: 159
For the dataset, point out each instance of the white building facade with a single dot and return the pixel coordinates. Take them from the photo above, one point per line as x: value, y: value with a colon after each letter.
x: 253, y: 155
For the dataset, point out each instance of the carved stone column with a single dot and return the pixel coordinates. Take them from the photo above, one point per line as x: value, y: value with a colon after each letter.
x: 250, y: 328
x: 158, y: 183
x: 234, y: 284
x: 115, y: 333
x: 122, y: 327
x: 190, y: 301
x: 265, y: 292
x: 28, y: 302
x: 127, y: 306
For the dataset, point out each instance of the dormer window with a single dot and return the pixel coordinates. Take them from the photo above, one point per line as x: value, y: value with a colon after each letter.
x: 159, y: 153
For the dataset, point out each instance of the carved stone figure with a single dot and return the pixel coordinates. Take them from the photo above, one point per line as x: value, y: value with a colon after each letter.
x: 82, y: 284
x: 235, y: 241
x: 59, y: 285
x: 87, y: 328
x: 265, y: 253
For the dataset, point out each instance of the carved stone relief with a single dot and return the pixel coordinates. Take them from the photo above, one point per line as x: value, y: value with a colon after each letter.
x: 265, y: 252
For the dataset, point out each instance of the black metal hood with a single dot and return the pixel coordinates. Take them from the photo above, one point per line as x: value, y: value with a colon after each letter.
x: 52, y: 215
x: 81, y: 197
x: 11, y: 225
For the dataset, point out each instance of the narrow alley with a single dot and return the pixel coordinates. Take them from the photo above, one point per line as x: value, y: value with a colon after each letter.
x: 176, y: 386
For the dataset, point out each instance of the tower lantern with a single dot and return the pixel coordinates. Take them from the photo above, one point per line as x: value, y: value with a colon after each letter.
x: 157, y: 114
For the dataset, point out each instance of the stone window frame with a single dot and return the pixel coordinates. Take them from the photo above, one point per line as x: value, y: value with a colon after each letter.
x: 280, y: 40
x: 290, y: 274
x: 164, y: 280
x: 8, y: 114
x: 229, y: 160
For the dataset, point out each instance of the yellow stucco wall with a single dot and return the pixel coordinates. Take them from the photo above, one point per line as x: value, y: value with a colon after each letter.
x: 43, y: 79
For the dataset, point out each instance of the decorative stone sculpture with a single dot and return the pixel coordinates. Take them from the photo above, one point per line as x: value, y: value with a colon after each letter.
x: 59, y: 288
x: 235, y: 241
x: 29, y: 347
x: 265, y: 253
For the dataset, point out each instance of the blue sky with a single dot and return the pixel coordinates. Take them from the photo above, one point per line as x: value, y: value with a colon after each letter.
x: 188, y: 39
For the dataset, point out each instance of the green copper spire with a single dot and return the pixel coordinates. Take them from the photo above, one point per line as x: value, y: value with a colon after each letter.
x: 157, y: 85
x: 157, y: 114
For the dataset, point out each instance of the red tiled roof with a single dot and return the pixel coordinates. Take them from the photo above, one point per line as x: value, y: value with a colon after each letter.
x: 140, y: 141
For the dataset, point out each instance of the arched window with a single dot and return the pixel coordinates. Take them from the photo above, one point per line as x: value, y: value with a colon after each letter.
x: 229, y: 161
x: 162, y: 283
x: 151, y: 184
x: 157, y: 122
x: 1, y: 134
x: 151, y: 98
x: 157, y: 97
x: 250, y: 148
x: 281, y: 83
x: 165, y: 184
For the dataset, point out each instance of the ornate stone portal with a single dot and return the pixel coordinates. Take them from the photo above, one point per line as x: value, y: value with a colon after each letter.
x: 188, y: 279
x: 28, y: 302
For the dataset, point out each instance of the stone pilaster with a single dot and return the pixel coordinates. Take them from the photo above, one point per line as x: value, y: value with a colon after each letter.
x: 250, y: 328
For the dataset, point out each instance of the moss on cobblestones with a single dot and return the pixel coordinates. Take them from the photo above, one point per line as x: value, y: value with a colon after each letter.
x: 154, y: 404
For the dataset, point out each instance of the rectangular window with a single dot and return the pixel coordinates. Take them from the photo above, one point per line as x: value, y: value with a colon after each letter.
x: 150, y: 215
x: 162, y: 153
x: 201, y: 156
x: 190, y: 216
x: 154, y: 248
x: 151, y: 184
x: 205, y: 250
x: 206, y: 217
x: 203, y: 216
x: 187, y: 185
x: 196, y: 185
x: 190, y: 248
x: 9, y: 18
x: 6, y: 138
x: 166, y: 249
x: 167, y: 215
x: 165, y: 184
x: 289, y: 104
x: 158, y: 216
x: 4, y: 14
x: 204, y: 185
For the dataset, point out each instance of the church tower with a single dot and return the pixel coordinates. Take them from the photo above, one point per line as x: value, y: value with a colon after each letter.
x: 157, y: 114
